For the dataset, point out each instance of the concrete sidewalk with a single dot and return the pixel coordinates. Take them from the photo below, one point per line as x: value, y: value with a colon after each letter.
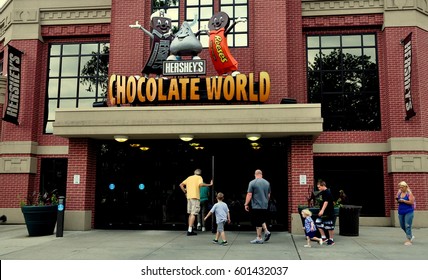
x: 373, y: 243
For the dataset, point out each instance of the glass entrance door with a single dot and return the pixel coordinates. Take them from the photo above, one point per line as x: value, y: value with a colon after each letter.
x: 138, y: 183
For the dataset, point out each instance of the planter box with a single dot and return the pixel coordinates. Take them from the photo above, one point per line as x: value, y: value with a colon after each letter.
x: 315, y: 211
x: 40, y: 220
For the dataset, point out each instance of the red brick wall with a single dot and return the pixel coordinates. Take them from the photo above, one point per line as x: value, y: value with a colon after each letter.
x: 269, y: 35
x: 391, y: 76
x: 32, y: 105
x: 301, y: 162
x: 82, y: 161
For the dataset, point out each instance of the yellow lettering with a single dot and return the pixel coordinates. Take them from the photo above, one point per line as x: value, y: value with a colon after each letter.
x: 184, y: 82
x: 131, y: 89
x: 229, y: 88
x: 214, y: 89
x: 151, y: 90
x: 140, y: 85
x: 110, y: 89
x: 121, y: 90
x: 219, y: 50
x: 241, y: 83
x: 161, y: 95
x: 264, y: 88
x: 194, y: 88
x: 253, y: 96
x: 173, y: 90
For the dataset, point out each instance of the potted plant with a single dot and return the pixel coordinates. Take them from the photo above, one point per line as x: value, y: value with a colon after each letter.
x: 314, y: 205
x: 40, y: 213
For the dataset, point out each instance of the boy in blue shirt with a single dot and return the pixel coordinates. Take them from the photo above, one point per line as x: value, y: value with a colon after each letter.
x: 222, y: 215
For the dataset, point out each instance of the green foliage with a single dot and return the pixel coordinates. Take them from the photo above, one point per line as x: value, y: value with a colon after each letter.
x: 39, y: 199
x: 352, y: 102
x: 95, y: 72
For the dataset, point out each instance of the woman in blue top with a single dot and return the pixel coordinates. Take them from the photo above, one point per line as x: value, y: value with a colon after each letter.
x: 406, y: 202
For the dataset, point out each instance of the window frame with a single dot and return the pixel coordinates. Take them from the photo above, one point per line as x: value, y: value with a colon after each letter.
x: 337, y: 119
x: 189, y: 18
x: 56, y: 96
x: 233, y: 33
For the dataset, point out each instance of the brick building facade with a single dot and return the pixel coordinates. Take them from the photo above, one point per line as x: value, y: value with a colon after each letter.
x: 363, y: 144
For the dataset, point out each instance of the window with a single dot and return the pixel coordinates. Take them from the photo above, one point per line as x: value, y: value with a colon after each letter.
x: 77, y: 77
x: 203, y: 10
x: 171, y: 8
x: 53, y: 175
x: 238, y: 37
x: 343, y: 77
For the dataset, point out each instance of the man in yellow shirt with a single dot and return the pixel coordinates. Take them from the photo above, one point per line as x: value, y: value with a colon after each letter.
x: 190, y: 187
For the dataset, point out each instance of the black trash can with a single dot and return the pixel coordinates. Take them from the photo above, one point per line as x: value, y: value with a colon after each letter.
x: 349, y: 220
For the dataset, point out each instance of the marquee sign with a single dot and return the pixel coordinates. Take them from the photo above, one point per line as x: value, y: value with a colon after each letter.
x: 187, y: 85
x: 140, y: 90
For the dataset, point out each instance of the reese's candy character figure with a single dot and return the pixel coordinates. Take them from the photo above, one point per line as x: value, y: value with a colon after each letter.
x: 161, y: 40
x: 220, y: 54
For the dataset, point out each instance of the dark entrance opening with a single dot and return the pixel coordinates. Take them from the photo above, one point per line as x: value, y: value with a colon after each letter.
x: 352, y: 174
x: 138, y: 181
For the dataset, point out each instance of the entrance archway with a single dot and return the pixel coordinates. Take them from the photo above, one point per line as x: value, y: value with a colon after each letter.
x: 138, y: 188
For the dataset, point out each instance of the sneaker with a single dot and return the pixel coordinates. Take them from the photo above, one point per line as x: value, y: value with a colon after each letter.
x: 307, y: 246
x: 267, y: 236
x: 324, y: 239
x: 203, y: 229
x: 256, y: 241
x: 215, y: 241
x: 191, y: 233
x: 330, y: 242
x: 224, y: 243
x: 320, y: 242
x: 413, y: 238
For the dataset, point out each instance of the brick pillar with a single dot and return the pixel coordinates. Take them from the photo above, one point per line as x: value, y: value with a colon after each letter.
x: 301, y: 162
x: 80, y: 197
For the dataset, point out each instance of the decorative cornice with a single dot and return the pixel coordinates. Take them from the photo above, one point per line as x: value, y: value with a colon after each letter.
x: 29, y: 20
x: 75, y: 16
x: 395, y: 5
x: 323, y: 8
x: 350, y: 7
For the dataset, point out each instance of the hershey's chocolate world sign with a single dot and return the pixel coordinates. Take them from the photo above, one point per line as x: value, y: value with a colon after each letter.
x: 140, y: 90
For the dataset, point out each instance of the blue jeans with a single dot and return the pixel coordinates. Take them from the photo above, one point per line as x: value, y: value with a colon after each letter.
x: 406, y: 221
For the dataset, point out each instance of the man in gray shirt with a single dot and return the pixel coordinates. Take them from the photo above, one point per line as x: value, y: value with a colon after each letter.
x: 258, y: 194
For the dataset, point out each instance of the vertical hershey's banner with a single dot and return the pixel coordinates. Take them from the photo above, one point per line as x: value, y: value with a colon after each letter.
x: 13, y: 85
x: 408, y: 101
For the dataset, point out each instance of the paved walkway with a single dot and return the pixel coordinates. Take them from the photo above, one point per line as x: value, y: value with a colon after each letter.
x: 373, y: 243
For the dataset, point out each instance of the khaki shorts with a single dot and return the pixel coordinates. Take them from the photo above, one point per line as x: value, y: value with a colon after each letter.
x: 193, y: 206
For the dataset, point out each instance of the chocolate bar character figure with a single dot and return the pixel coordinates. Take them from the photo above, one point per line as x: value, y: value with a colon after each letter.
x: 161, y: 40
x: 220, y: 54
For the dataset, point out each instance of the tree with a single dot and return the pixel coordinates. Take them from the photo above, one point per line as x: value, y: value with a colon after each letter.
x: 95, y: 71
x: 163, y: 4
x: 347, y: 86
